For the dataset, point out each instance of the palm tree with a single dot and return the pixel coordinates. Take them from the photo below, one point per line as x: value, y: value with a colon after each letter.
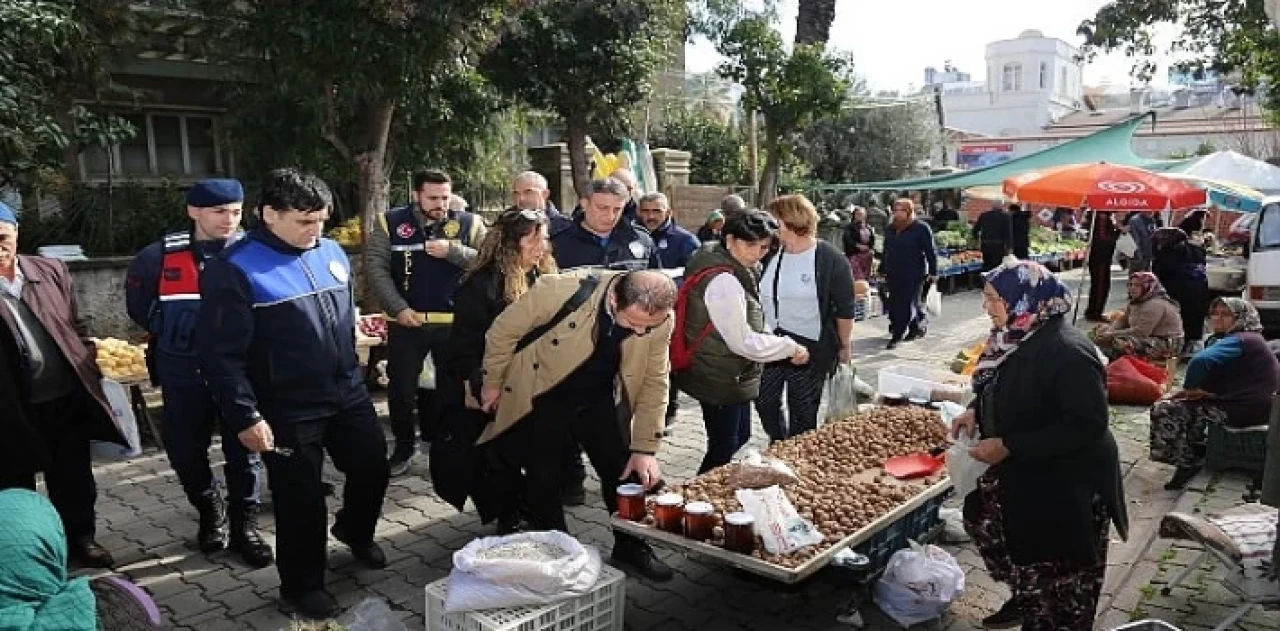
x: 813, y: 23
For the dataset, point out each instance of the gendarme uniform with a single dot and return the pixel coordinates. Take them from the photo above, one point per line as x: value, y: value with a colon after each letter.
x: 162, y: 295
x: 411, y: 278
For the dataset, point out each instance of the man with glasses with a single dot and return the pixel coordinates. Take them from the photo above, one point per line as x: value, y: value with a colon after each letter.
x: 417, y: 254
x: 552, y: 389
x: 600, y: 237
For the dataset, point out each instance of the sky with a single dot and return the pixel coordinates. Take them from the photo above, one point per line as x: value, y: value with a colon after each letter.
x: 894, y: 40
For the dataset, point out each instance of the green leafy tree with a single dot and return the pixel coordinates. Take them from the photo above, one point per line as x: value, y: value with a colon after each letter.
x: 589, y: 61
x: 50, y: 52
x: 360, y: 87
x: 792, y: 89
x: 1231, y: 37
x: 717, y: 148
x: 870, y: 144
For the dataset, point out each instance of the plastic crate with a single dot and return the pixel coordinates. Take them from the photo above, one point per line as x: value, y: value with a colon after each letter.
x: 1243, y: 450
x: 915, y: 526
x: 922, y: 380
x: 604, y: 609
x: 1147, y: 625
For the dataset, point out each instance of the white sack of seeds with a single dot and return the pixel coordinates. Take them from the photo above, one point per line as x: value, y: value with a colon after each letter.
x: 527, y: 568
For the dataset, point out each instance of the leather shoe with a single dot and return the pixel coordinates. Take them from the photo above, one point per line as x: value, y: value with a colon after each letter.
x: 1181, y: 478
x: 86, y: 552
x: 368, y: 553
x: 914, y: 334
x: 893, y: 343
x: 315, y: 605
x: 639, y: 557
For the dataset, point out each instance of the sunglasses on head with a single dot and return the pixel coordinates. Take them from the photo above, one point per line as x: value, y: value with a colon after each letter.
x: 523, y: 213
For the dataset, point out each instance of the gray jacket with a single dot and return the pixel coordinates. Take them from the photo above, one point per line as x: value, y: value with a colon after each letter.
x: 378, y: 256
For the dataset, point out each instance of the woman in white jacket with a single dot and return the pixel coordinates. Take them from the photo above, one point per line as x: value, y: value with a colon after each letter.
x: 724, y: 325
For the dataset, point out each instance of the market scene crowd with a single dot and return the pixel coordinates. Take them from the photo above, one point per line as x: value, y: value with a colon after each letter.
x: 562, y: 338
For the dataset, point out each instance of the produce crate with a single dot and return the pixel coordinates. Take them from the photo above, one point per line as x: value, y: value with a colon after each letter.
x: 604, y: 609
x: 918, y: 526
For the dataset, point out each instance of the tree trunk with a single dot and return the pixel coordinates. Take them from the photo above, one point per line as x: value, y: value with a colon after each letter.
x: 578, y: 165
x: 813, y: 22
x: 772, y: 164
x: 370, y: 162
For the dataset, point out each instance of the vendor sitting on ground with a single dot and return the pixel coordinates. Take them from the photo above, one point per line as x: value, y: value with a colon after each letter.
x: 1230, y: 382
x: 1150, y: 328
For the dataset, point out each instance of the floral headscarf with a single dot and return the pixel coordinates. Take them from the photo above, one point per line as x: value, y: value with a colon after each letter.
x: 1149, y: 286
x: 1247, y: 318
x: 1033, y: 296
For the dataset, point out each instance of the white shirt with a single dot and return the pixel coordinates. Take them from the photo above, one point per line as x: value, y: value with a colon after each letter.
x: 726, y: 302
x: 797, y: 294
x: 13, y: 287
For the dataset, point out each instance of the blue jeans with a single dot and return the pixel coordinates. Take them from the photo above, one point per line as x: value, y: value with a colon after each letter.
x: 728, y: 429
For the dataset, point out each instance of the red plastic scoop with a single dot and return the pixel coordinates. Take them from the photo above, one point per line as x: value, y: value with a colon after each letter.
x: 913, y: 466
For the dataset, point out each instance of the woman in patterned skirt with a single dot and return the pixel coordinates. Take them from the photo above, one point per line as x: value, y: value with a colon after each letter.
x: 1041, y: 514
x: 1151, y: 327
x: 1230, y: 383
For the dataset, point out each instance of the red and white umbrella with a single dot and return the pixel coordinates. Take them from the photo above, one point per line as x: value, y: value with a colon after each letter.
x: 1104, y: 187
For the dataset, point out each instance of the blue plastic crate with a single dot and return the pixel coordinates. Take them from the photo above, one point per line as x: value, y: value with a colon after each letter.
x: 915, y: 526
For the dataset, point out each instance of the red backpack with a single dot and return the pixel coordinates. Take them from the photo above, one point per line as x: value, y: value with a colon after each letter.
x: 681, y: 350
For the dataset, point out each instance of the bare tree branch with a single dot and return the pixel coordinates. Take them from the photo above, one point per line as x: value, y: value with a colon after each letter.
x: 329, y: 122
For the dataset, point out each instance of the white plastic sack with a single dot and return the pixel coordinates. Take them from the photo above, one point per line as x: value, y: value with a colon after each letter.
x: 480, y: 583
x: 122, y: 411
x: 1126, y: 246
x: 427, y: 378
x: 918, y: 584
x: 933, y: 302
x: 842, y: 393
x: 776, y: 521
x: 963, y: 469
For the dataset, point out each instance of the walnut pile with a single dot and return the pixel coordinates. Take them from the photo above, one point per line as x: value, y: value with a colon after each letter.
x: 835, y: 490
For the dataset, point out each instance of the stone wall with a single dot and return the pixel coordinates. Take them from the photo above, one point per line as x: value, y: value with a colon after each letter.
x: 692, y: 202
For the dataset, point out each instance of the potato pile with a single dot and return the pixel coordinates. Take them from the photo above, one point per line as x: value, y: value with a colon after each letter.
x: 118, y: 359
x: 841, y: 489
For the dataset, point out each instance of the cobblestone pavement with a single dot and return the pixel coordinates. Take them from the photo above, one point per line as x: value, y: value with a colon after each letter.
x: 146, y: 522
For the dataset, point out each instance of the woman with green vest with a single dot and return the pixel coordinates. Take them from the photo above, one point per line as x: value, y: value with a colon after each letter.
x: 725, y: 322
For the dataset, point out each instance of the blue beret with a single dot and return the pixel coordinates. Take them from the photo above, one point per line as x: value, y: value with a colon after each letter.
x: 210, y: 193
x: 7, y: 215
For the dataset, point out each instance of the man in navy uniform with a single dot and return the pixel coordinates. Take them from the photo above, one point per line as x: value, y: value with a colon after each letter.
x: 417, y: 254
x: 162, y: 293
x: 282, y: 370
x: 599, y: 236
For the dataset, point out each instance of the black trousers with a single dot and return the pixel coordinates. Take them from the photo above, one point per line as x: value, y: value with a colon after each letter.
x: 1193, y: 298
x: 410, y: 409
x: 1099, y: 284
x: 803, y: 387
x: 354, y: 440
x: 992, y: 254
x: 537, y: 444
x: 69, y: 474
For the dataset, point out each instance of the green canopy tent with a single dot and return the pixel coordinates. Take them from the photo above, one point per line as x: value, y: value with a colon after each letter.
x: 1113, y: 145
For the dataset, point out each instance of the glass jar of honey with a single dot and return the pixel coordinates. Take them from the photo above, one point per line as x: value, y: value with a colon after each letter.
x: 740, y: 533
x: 631, y: 502
x: 668, y: 515
x: 699, y: 520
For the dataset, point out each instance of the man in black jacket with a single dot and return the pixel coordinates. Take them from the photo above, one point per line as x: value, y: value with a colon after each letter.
x: 1020, y: 228
x: 994, y: 232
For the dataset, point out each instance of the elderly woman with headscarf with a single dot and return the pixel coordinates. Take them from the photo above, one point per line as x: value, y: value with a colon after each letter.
x: 1151, y: 327
x: 860, y: 244
x: 1179, y: 264
x: 1230, y: 383
x: 1041, y: 514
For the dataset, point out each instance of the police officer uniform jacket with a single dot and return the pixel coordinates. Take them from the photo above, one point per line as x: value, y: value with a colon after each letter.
x: 628, y: 247
x: 675, y: 244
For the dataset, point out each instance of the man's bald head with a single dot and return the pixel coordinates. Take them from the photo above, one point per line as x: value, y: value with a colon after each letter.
x: 650, y: 291
x: 627, y: 178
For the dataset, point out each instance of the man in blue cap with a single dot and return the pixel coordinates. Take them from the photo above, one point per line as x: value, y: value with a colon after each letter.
x: 61, y: 387
x: 162, y: 292
x: 283, y: 372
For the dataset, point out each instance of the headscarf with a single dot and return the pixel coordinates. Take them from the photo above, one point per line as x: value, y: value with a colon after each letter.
x: 1033, y: 296
x: 35, y: 594
x: 1168, y: 237
x: 1247, y: 318
x: 1150, y: 287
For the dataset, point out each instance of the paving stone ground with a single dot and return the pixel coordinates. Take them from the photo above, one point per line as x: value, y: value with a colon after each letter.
x: 145, y: 521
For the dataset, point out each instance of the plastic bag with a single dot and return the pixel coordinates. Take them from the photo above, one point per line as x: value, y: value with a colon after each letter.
x: 1126, y: 385
x: 1148, y: 369
x: 918, y: 584
x: 777, y: 522
x: 842, y: 393
x: 122, y: 412
x: 933, y: 302
x: 963, y: 469
x: 427, y: 378
x: 479, y: 581
x: 755, y: 471
x: 1126, y: 246
x: 372, y: 614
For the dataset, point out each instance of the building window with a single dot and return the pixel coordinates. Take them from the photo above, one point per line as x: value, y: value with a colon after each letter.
x: 1011, y: 78
x: 1044, y: 75
x: 165, y: 145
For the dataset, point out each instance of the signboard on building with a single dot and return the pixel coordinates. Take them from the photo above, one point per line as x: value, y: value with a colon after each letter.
x: 978, y: 156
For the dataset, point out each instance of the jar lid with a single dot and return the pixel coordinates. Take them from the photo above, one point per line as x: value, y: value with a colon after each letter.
x: 631, y: 489
x: 670, y: 499
x: 739, y: 519
x: 699, y: 508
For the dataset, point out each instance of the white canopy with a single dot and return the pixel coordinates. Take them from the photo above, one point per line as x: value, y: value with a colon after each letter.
x: 1230, y: 166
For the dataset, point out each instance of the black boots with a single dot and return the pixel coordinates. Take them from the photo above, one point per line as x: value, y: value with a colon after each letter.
x: 212, y: 536
x: 86, y: 552
x: 246, y: 540
x: 1181, y: 477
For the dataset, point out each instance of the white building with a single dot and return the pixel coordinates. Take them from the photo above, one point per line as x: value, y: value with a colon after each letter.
x: 1032, y: 82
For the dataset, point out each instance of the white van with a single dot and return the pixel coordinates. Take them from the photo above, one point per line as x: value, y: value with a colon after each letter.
x: 1264, y: 265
